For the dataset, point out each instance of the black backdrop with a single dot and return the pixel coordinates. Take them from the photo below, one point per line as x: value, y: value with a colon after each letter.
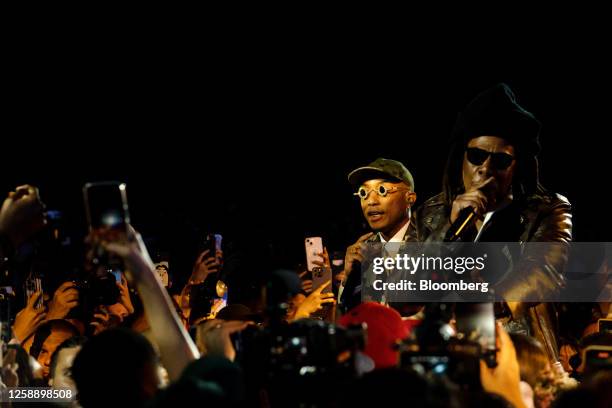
x: 259, y: 151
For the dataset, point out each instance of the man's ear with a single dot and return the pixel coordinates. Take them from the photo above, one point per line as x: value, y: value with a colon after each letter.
x: 410, y: 198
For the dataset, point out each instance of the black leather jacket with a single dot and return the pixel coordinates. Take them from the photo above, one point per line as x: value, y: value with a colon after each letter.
x: 538, y: 218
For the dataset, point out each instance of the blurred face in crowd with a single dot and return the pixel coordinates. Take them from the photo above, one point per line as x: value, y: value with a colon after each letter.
x: 162, y: 271
x: 61, y: 377
x: 387, y: 212
x: 118, y: 311
x: 58, y: 335
x: 489, y: 156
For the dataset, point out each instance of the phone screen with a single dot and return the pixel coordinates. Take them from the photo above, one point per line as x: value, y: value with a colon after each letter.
x: 605, y: 325
x: 106, y: 205
x: 476, y: 322
x: 33, y: 285
x: 314, y: 246
x: 212, y: 243
x: 597, y: 358
x: 116, y: 274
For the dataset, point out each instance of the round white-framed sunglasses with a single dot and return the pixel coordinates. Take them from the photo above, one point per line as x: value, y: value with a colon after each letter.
x: 381, y: 190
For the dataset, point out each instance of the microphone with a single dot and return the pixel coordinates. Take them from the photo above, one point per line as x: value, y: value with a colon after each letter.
x: 465, y: 219
x: 467, y: 216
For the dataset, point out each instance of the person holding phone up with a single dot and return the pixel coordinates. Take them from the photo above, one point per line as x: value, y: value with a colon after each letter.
x: 207, y: 263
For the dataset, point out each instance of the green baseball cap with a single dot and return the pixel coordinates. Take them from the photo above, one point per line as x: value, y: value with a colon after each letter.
x: 381, y: 168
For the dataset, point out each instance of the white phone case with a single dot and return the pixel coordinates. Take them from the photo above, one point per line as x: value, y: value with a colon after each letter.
x: 313, y: 245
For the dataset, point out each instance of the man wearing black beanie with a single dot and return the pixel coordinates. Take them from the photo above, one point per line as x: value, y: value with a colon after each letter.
x: 492, y: 176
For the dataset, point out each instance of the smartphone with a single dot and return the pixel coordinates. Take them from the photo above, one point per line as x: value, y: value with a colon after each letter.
x: 116, y: 274
x: 476, y: 322
x: 320, y: 276
x: 106, y: 206
x: 33, y: 285
x: 314, y: 246
x: 605, y: 325
x: 212, y: 243
x: 596, y: 358
x: 106, y: 209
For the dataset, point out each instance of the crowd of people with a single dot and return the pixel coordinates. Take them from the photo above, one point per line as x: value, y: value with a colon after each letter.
x: 118, y: 329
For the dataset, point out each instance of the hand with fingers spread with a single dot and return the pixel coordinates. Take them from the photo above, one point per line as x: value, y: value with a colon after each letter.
x: 65, y: 298
x: 22, y: 214
x: 213, y: 337
x: 354, y: 253
x: 314, y: 302
x: 205, y: 265
x: 29, y: 318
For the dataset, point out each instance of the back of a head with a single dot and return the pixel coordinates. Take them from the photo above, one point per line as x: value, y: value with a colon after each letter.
x: 385, y: 329
x: 116, y: 365
x: 596, y: 392
x: 236, y: 311
x: 46, y: 329
x: 187, y: 391
x: 76, y: 341
x: 531, y: 357
x: 281, y: 286
x: 385, y: 386
x: 486, y: 399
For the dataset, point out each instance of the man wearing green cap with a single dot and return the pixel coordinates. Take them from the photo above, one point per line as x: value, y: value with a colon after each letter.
x: 385, y: 189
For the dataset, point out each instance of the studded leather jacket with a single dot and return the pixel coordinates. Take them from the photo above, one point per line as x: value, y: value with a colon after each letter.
x: 537, y: 218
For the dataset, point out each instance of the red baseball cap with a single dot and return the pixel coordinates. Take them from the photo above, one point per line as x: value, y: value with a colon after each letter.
x: 385, y: 329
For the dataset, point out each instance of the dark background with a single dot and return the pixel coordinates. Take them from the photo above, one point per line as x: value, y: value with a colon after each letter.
x: 258, y: 149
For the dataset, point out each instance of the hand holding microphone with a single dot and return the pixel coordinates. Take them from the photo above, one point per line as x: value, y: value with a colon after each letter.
x: 470, y: 206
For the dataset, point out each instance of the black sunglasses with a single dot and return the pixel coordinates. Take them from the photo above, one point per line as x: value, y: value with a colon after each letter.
x: 500, y: 161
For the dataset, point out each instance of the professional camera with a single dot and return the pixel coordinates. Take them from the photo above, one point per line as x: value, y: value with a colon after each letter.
x: 305, y: 347
x: 437, y: 349
x: 308, y: 354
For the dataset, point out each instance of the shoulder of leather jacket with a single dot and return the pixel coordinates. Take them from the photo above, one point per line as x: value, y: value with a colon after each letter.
x: 543, y: 203
x: 429, y: 220
x: 547, y: 200
x: 431, y: 210
x: 432, y: 214
x: 537, y: 206
x: 434, y: 201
